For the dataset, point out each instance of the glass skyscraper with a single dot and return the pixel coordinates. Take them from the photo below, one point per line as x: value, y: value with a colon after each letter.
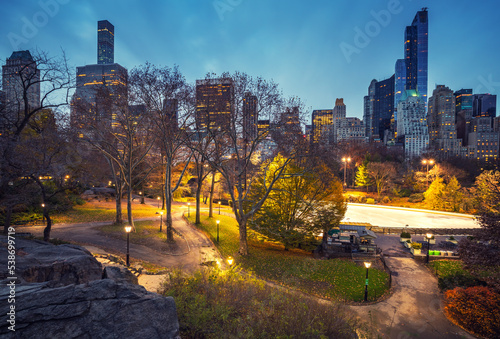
x: 416, y: 53
x: 105, y: 42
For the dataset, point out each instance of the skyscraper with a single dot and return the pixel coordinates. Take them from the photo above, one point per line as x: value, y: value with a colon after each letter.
x: 416, y: 53
x: 20, y: 78
x: 321, y: 120
x: 399, y: 88
x: 412, y: 124
x: 484, y: 105
x: 250, y: 116
x: 441, y: 122
x: 104, y: 78
x: 105, y: 42
x: 380, y: 102
x: 463, y: 113
x: 214, y: 103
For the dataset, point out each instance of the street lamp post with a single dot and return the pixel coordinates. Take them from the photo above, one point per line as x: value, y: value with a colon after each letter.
x: 43, y: 213
x: 219, y: 207
x: 427, y: 163
x: 367, y: 265
x: 218, y: 221
x: 189, y: 209
x: 142, y: 197
x: 128, y: 229
x: 428, y: 236
x: 158, y: 198
x: 345, y: 161
x: 161, y: 219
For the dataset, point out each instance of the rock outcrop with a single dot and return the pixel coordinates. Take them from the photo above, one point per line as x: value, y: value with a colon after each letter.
x: 100, y: 309
x: 38, y: 261
x: 60, y: 292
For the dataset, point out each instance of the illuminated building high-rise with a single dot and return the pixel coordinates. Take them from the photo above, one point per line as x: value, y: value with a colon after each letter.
x: 214, y: 103
x: 250, y: 116
x: 379, y: 108
x: 321, y: 120
x: 416, y: 53
x: 104, y: 78
x: 19, y: 75
x: 463, y: 113
x: 105, y: 42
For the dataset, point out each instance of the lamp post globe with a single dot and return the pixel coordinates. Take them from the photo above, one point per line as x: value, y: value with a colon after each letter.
x: 367, y: 265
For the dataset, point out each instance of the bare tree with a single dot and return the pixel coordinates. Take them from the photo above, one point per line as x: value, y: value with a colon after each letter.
x: 121, y: 132
x: 381, y: 174
x: 239, y: 148
x: 169, y: 101
x: 33, y: 84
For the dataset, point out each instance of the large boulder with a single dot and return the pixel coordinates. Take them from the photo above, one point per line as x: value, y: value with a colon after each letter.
x: 99, y: 309
x: 119, y: 273
x: 38, y: 261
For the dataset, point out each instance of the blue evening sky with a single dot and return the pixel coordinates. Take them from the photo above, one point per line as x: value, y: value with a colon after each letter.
x: 296, y: 43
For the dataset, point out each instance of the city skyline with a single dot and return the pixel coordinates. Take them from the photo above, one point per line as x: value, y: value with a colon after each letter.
x: 301, y: 47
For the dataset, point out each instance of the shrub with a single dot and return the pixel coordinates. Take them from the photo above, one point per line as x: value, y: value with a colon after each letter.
x: 405, y: 234
x: 225, y: 304
x: 416, y: 197
x: 477, y: 309
x: 416, y: 245
x: 362, y: 199
x: 386, y: 200
x: 458, y: 279
x: 370, y: 201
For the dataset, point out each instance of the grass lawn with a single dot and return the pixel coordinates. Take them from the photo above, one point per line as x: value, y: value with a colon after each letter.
x: 335, y: 279
x: 102, y: 211
x: 143, y: 230
x: 445, y: 268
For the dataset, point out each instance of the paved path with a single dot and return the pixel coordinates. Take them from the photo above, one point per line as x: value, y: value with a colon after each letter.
x: 192, y: 250
x: 414, y: 310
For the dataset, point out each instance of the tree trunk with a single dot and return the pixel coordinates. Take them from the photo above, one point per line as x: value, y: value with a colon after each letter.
x: 118, y: 199
x: 324, y: 240
x: 210, y: 203
x: 242, y: 225
x: 8, y: 218
x: 46, y: 231
x: 168, y: 203
x: 198, y: 193
x: 129, y: 207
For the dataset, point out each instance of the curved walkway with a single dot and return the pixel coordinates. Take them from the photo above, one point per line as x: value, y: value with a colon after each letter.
x: 414, y: 310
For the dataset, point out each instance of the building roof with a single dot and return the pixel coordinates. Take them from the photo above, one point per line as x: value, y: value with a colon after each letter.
x: 21, y: 55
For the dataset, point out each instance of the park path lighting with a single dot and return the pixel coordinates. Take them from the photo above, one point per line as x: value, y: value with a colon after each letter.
x: 219, y: 207
x: 189, y: 208
x: 158, y: 198
x: 428, y: 162
x: 367, y: 265
x: 230, y: 261
x: 43, y: 213
x: 161, y: 219
x: 128, y: 229
x: 345, y: 161
x: 218, y: 222
x: 429, y: 237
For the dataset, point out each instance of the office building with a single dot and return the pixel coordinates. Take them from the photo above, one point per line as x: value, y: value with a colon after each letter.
x: 416, y: 53
x: 250, y: 116
x: 412, y: 127
x: 463, y: 113
x: 20, y: 74
x: 349, y: 129
x: 105, y: 42
x: 441, y: 123
x: 484, y: 105
x: 97, y: 83
x: 321, y: 119
x: 399, y: 88
x: 214, y: 103
x: 379, y: 108
x: 483, y: 139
